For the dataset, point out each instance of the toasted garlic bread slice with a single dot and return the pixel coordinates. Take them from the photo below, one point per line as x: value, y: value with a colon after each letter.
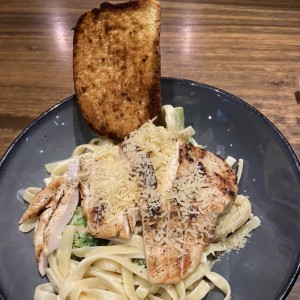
x: 116, y: 65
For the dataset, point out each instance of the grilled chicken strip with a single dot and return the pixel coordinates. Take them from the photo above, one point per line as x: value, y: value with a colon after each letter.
x: 40, y: 201
x: 153, y: 210
x: 60, y: 217
x: 204, y: 187
x: 64, y: 210
x: 162, y: 147
x: 108, y: 194
x: 179, y: 222
x: 38, y: 238
x: 38, y: 241
x: 56, y: 216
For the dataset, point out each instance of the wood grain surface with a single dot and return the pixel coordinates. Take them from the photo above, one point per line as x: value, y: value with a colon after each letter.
x: 249, y: 48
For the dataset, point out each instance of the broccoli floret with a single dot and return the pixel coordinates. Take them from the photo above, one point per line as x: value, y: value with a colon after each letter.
x: 78, y: 218
x: 81, y: 239
x: 139, y: 262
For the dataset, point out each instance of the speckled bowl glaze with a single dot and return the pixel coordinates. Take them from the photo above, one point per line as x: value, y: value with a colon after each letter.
x: 265, y: 268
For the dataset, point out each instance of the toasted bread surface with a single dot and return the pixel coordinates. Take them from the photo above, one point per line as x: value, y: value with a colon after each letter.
x: 116, y: 65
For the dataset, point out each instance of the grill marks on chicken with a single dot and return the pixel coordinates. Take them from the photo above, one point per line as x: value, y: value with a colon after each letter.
x: 204, y: 186
x: 153, y: 209
x: 178, y: 222
x: 56, y: 213
x: 179, y: 202
x: 108, y: 195
x: 38, y: 238
x: 40, y: 201
x: 60, y: 216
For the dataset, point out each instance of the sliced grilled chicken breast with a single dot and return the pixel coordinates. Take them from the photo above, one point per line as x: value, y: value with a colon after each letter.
x: 40, y: 201
x: 162, y: 147
x: 108, y: 194
x: 153, y: 210
x: 64, y: 210
x: 178, y: 189
x: 38, y: 238
x: 205, y: 185
x: 38, y: 241
x: 60, y: 217
x: 56, y: 215
x: 175, y: 239
x: 179, y: 222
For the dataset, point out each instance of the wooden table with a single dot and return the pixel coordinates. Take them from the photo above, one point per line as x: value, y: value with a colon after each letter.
x: 246, y: 47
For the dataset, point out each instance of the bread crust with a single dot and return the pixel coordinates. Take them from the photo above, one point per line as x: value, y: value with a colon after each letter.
x: 116, y: 66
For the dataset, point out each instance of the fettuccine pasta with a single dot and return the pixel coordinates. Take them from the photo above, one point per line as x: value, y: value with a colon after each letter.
x: 112, y: 272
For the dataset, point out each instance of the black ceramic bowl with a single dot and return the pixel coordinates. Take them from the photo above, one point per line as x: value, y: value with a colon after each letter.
x: 268, y: 265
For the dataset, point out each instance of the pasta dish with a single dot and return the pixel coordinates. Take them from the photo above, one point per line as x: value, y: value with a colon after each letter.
x: 143, y: 219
